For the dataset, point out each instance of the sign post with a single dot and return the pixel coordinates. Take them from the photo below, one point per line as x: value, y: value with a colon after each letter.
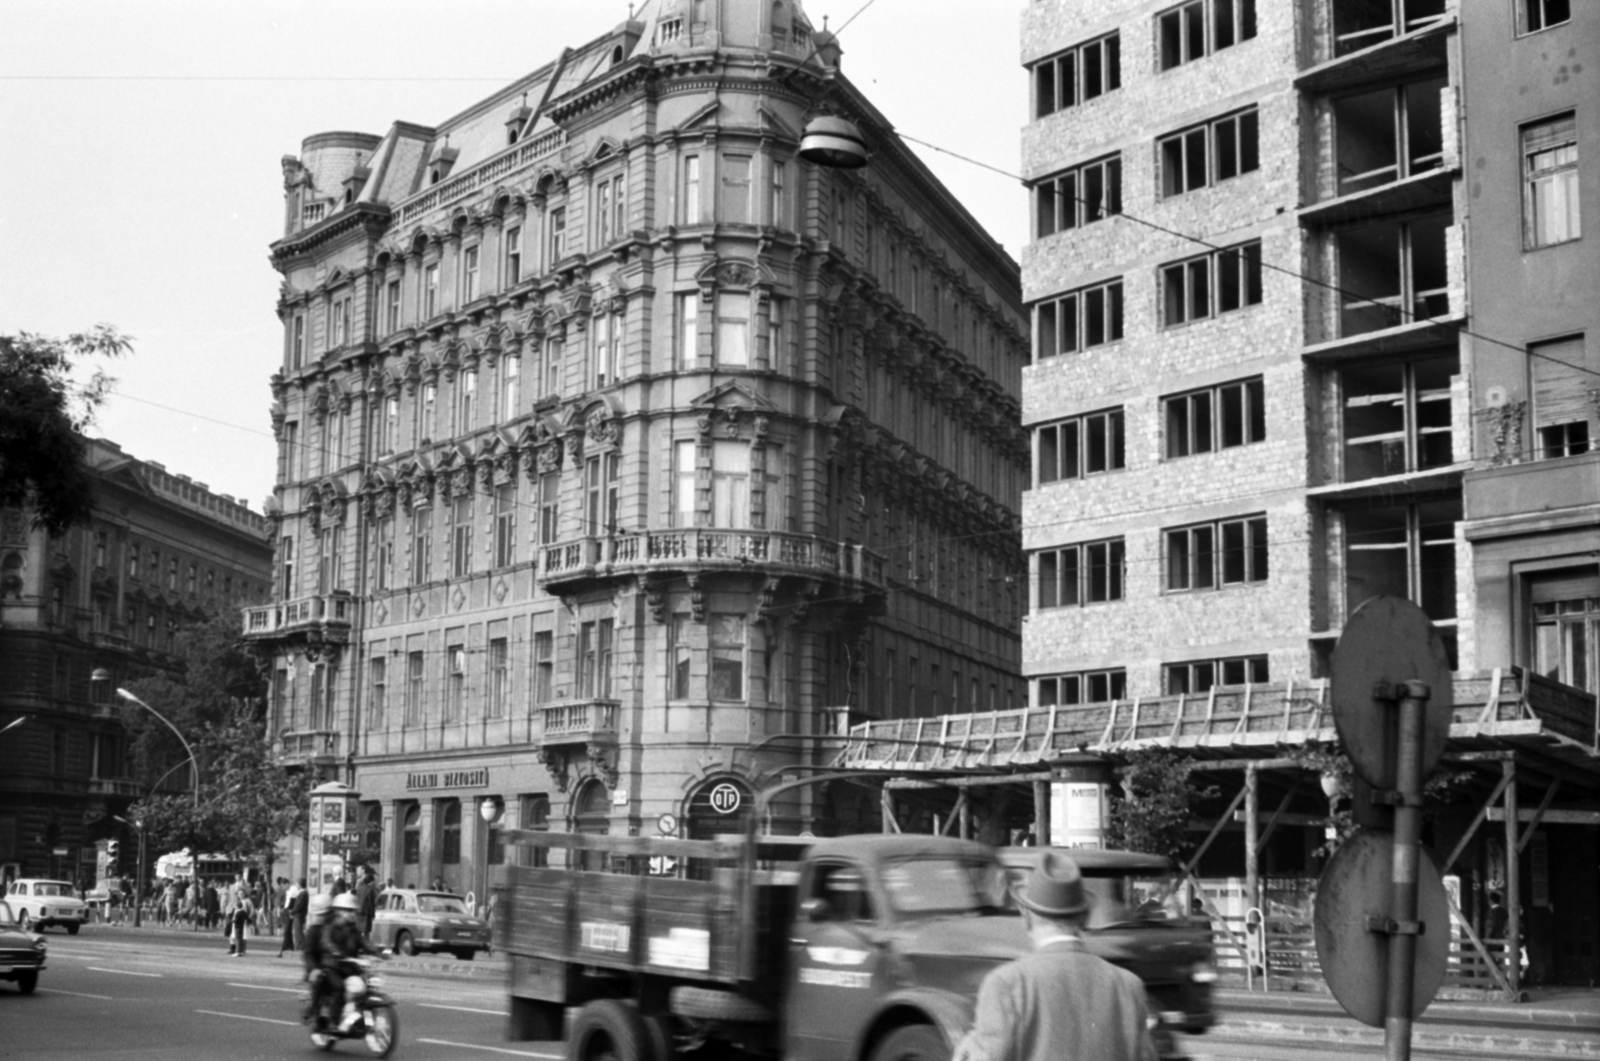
x: 1381, y: 893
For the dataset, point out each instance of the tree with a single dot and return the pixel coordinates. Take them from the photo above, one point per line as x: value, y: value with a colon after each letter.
x: 1152, y: 813
x: 43, y: 414
x: 247, y: 803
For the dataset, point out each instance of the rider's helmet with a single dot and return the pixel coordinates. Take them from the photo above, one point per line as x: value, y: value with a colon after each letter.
x: 318, y: 907
x: 346, y: 903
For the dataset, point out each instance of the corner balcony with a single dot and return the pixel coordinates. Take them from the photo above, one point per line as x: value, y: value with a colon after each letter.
x: 572, y: 565
x: 315, y: 747
x: 582, y: 722
x: 323, y: 618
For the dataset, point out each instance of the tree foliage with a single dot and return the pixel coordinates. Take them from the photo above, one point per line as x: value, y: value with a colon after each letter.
x: 247, y: 803
x: 1441, y: 788
x: 43, y: 413
x: 1159, y: 795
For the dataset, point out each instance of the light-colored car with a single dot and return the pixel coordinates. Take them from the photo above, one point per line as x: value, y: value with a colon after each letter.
x: 413, y: 921
x: 39, y: 904
x: 21, y: 952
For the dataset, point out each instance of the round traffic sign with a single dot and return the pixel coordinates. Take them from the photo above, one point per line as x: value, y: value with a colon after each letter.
x: 1388, y: 640
x: 1355, y: 959
x: 667, y: 824
x: 725, y: 798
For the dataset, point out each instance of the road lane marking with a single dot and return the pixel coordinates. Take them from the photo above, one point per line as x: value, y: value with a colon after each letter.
x: 124, y: 972
x: 246, y: 1016
x: 490, y: 1049
x: 466, y: 1009
x: 78, y: 994
x: 264, y: 987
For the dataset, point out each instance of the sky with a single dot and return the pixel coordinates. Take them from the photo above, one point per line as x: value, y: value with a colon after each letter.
x: 142, y: 185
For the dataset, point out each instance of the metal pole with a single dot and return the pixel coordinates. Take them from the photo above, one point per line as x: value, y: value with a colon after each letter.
x: 138, y: 885
x: 1252, y: 878
x: 1041, y: 813
x: 1407, y: 841
x: 1513, y: 942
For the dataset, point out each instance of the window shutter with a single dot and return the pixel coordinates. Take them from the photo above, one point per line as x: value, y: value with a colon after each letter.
x: 1561, y: 383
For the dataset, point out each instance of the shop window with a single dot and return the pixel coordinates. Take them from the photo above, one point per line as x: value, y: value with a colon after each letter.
x: 411, y: 836
x: 449, y: 811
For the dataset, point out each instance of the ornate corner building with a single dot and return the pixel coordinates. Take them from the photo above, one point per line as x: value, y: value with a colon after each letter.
x: 625, y: 457
x: 159, y: 551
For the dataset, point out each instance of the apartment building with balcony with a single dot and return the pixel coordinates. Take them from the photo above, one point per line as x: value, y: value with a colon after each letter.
x: 160, y: 551
x: 1310, y: 301
x: 626, y: 456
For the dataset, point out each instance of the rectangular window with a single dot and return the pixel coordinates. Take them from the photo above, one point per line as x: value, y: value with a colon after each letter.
x: 421, y: 546
x: 499, y: 677
x: 555, y: 351
x: 391, y: 425
x: 1078, y: 320
x: 341, y: 321
x: 1397, y: 417
x: 730, y: 483
x: 684, y: 483
x: 549, y: 507
x: 297, y: 345
x: 558, y: 234
x: 392, y: 320
x: 1392, y: 274
x: 1084, y: 687
x: 1387, y: 134
x: 455, y: 682
x: 1083, y: 445
x: 1535, y: 15
x: 1090, y: 573
x: 1219, y: 282
x: 377, y: 691
x: 733, y: 329
x: 604, y: 350
x: 286, y: 551
x: 466, y: 402
x: 691, y: 190
x: 678, y: 650
x: 602, y: 213
x: 1208, y: 154
x: 510, y: 388
x: 133, y: 560
x: 513, y: 256
x: 1087, y: 193
x: 469, y: 274
x: 544, y: 667
x: 1200, y: 676
x: 1220, y: 417
x: 430, y: 291
x: 1196, y: 29
x: 414, y: 672
x: 505, y: 525
x: 1077, y: 75
x: 461, y: 537
x: 736, y: 189
x: 383, y: 565
x: 778, y: 216
x: 688, y: 323
x: 727, y: 633
x: 1550, y: 176
x: 1357, y: 26
x: 1213, y: 555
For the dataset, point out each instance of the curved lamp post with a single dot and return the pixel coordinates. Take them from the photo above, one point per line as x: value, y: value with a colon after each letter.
x: 102, y: 675
x: 489, y: 811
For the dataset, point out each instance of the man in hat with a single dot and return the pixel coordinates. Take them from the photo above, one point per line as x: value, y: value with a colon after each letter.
x: 1060, y: 1001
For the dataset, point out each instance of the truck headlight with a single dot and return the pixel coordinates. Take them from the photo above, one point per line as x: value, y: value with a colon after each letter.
x: 1204, y: 973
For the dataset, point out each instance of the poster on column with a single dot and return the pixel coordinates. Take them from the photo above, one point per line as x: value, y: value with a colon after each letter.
x: 1077, y: 814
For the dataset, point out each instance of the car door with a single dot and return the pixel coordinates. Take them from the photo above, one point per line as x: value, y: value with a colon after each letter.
x: 383, y: 922
x: 837, y: 962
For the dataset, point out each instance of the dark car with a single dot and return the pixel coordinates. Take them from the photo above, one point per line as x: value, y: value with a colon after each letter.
x: 21, y: 952
x: 412, y: 921
x: 1136, y: 921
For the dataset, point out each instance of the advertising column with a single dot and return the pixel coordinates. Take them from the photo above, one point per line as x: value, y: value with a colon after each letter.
x: 333, y: 831
x: 1078, y: 805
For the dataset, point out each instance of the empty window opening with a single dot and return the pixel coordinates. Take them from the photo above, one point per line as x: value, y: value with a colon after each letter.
x: 1404, y: 551
x: 1359, y: 24
x: 1392, y: 274
x: 1388, y: 134
x: 1397, y: 417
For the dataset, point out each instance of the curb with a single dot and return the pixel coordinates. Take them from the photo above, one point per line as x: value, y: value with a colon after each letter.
x: 1444, y: 1012
x: 1365, y: 1038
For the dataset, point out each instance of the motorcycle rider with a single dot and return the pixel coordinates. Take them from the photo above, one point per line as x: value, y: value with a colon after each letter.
x: 317, y: 910
x: 342, y: 943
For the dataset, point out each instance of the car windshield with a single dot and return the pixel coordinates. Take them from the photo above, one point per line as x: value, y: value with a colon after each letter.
x: 440, y: 904
x: 1122, y: 897
x: 929, y: 886
x: 54, y: 887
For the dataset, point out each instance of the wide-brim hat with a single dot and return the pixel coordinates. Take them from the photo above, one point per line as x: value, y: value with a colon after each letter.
x: 1054, y: 888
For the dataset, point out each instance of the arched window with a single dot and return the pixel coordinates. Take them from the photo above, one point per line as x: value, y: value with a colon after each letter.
x: 411, y: 836
x: 372, y: 833
x: 450, y: 832
x: 591, y: 815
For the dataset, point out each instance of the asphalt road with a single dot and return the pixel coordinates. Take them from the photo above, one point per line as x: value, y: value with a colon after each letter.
x: 175, y: 997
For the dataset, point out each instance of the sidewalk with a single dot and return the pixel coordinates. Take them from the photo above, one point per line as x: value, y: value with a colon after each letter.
x: 1554, y: 1007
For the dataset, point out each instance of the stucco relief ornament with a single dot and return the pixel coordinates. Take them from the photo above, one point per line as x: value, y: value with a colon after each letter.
x: 556, y: 763
x: 461, y: 481
x: 418, y: 606
x: 500, y: 591
x: 549, y: 457
x: 702, y: 424
x: 385, y: 505
x: 599, y: 429
x: 735, y: 274
x: 763, y: 424
x: 730, y: 425
x: 505, y: 468
x: 380, y: 612
x: 603, y: 768
x: 458, y: 598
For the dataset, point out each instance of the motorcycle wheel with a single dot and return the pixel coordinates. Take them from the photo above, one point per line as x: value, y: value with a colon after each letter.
x: 383, y: 1030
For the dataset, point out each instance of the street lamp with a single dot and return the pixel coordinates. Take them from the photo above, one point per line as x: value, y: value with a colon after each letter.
x: 15, y: 723
x: 138, y: 882
x: 102, y: 675
x: 489, y: 811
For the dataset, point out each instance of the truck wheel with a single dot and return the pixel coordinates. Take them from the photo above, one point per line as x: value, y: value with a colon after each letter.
x: 536, y: 1019
x: 659, y: 1030
x: 608, y: 1030
x: 705, y: 1003
x: 915, y: 1042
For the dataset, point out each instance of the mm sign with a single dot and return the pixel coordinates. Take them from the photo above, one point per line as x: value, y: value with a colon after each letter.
x: 725, y: 798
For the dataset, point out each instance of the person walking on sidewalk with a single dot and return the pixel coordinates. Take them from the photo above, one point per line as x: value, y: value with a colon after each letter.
x: 239, y: 919
x: 297, y: 915
x: 290, y: 895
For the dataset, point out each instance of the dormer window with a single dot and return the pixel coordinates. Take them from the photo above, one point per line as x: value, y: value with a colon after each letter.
x: 516, y: 120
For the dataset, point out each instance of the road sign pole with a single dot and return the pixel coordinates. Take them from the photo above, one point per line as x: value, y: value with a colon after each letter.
x: 1407, y: 841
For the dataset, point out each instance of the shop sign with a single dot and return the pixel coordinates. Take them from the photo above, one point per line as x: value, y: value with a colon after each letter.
x: 448, y: 779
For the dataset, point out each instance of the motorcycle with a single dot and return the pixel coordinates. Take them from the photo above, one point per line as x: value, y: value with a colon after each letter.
x: 377, y: 1025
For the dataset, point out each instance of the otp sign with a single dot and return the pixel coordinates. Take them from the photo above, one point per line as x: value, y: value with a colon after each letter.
x: 725, y: 799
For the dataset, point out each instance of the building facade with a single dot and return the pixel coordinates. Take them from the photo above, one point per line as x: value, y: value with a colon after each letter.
x: 626, y: 456
x: 1310, y: 305
x: 159, y: 551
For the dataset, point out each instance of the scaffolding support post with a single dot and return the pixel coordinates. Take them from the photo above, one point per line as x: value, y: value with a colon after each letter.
x: 1252, y: 829
x: 1041, y: 813
x: 1513, y: 885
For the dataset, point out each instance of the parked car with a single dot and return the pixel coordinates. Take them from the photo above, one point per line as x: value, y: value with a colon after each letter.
x: 413, y: 921
x: 41, y: 903
x: 1137, y: 920
x: 21, y: 952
